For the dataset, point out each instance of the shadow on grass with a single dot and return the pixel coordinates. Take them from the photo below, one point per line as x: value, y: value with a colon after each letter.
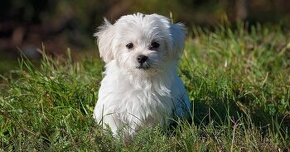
x: 219, y: 113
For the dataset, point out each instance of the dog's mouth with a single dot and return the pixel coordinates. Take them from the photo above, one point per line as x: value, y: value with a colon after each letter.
x: 144, y: 66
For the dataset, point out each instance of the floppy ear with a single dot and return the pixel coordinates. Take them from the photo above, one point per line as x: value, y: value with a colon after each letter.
x: 105, y: 36
x: 177, y: 32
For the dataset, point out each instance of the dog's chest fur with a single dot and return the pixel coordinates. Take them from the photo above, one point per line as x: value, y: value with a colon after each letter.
x: 135, y: 102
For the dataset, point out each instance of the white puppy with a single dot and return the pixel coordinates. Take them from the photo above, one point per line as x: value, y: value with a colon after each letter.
x: 141, y: 86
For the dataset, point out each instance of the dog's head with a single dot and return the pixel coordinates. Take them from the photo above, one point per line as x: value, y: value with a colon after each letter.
x: 141, y: 42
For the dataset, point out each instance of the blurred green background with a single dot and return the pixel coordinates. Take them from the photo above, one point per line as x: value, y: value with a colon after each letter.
x: 28, y: 25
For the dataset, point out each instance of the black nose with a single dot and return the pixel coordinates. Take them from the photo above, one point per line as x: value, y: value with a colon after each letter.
x: 141, y: 59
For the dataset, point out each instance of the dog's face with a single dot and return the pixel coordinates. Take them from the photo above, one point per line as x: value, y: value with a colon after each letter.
x: 141, y: 43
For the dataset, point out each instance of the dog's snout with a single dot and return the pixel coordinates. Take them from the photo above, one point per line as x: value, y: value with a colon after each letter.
x: 141, y: 59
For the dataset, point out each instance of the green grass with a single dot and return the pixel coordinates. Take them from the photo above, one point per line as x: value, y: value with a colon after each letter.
x: 238, y: 81
x: 7, y: 63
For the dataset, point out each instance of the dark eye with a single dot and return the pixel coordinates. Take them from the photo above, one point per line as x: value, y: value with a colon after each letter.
x: 129, y: 45
x: 154, y: 45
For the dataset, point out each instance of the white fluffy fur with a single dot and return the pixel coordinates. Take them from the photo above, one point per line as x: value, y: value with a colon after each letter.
x: 131, y: 98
